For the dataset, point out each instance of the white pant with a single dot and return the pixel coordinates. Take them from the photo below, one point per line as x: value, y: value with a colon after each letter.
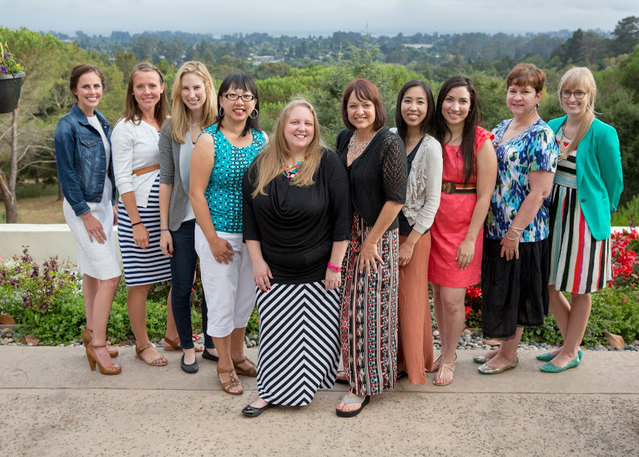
x: 229, y: 288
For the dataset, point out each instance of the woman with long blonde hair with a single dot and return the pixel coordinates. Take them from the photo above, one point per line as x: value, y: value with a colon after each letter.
x: 194, y: 108
x: 296, y: 226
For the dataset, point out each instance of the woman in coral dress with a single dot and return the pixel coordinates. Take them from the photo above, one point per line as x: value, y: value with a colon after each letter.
x: 468, y: 182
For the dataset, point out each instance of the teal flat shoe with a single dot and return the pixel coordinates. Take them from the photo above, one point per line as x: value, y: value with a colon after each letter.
x: 547, y: 356
x: 549, y: 367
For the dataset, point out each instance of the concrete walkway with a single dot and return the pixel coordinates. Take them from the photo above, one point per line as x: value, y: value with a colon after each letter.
x: 53, y: 405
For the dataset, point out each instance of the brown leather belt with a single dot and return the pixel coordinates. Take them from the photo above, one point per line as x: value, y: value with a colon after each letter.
x: 145, y: 170
x: 449, y: 187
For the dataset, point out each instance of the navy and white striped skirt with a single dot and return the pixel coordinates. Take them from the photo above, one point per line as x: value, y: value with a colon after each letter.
x: 143, y: 266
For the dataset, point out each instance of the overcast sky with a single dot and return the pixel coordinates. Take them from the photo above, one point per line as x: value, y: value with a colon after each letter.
x: 315, y: 17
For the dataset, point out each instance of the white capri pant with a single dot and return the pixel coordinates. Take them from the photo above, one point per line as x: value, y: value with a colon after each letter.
x: 229, y: 288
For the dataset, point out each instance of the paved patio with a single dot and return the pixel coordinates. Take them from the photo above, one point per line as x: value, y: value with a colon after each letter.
x: 53, y: 405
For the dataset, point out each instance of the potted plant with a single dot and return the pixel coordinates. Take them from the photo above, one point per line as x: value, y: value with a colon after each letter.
x: 11, y: 75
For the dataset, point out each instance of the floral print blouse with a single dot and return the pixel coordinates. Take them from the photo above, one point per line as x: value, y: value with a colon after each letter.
x: 533, y: 149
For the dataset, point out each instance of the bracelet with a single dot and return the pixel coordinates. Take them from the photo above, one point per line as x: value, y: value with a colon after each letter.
x: 334, y: 268
x: 137, y: 223
x: 512, y: 239
x: 164, y: 230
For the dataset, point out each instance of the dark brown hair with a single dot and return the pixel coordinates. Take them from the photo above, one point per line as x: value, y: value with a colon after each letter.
x: 470, y: 123
x: 364, y: 90
x: 80, y: 70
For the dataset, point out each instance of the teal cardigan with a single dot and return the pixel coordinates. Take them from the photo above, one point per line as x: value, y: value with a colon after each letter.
x: 599, y: 176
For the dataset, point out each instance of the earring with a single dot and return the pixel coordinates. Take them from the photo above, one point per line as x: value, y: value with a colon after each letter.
x: 537, y: 105
x: 254, y: 114
x: 220, y: 111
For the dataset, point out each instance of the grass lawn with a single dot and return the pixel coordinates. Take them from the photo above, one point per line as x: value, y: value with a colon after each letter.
x: 38, y: 210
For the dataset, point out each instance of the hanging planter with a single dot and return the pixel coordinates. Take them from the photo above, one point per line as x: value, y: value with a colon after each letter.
x: 10, y: 86
x: 11, y: 77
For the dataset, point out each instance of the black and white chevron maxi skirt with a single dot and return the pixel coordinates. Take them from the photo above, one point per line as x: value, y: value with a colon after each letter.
x: 299, y: 342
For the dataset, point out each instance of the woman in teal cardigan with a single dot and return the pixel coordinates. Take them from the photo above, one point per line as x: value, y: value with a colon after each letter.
x: 587, y: 188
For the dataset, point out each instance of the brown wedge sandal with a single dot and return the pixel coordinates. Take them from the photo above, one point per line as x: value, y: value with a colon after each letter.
x: 234, y: 381
x: 251, y: 371
x: 155, y: 361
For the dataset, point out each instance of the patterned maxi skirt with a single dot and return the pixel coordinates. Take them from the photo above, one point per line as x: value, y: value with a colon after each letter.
x: 299, y: 342
x: 369, y: 314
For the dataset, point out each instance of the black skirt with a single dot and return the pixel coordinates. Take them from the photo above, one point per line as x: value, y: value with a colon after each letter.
x: 514, y: 292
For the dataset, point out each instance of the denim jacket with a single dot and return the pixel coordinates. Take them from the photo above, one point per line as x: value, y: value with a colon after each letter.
x: 81, y: 159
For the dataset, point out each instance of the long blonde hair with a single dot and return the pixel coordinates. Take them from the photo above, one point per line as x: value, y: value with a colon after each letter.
x: 579, y: 78
x: 132, y: 111
x: 272, y: 160
x: 180, y: 114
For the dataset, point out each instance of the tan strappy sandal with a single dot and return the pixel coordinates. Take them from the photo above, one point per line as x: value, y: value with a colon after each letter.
x: 234, y: 381
x: 156, y: 360
x: 251, y: 371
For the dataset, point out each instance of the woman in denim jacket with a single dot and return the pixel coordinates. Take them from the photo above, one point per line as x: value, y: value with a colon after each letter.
x: 83, y: 153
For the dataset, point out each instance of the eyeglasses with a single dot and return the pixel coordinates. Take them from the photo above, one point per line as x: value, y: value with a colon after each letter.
x: 245, y: 97
x: 579, y: 94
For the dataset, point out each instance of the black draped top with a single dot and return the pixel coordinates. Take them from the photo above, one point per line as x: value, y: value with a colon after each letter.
x: 296, y: 226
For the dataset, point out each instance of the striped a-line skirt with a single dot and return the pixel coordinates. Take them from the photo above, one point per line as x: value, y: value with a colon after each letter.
x: 143, y: 266
x: 580, y: 264
x: 299, y: 342
x: 369, y: 314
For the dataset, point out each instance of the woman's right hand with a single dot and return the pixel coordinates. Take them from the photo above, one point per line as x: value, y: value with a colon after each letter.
x: 141, y: 236
x: 221, y: 250
x: 166, y: 243
x: 262, y: 276
x: 94, y: 228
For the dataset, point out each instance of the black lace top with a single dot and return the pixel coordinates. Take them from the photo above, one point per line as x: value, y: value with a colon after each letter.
x: 378, y: 175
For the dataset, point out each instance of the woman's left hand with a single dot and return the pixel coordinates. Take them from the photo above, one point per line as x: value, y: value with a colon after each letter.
x: 509, y: 248
x: 368, y: 257
x: 465, y: 253
x: 332, y: 280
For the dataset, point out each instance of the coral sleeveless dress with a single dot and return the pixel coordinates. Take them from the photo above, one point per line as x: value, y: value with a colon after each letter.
x: 452, y: 221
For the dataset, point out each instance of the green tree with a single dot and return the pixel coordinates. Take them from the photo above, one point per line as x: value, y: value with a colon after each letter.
x: 626, y: 35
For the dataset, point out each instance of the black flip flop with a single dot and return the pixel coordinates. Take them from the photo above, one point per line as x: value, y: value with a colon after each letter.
x: 349, y: 400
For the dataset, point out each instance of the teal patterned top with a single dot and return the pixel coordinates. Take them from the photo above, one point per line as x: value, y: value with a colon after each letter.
x: 224, y: 191
x: 533, y: 149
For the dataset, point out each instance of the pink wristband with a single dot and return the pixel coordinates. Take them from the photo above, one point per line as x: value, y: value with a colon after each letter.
x: 333, y: 267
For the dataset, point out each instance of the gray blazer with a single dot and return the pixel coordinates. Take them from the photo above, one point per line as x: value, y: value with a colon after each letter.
x: 170, y: 174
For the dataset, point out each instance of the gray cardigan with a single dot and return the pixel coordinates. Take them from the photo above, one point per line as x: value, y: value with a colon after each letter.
x: 170, y: 174
x: 424, y: 188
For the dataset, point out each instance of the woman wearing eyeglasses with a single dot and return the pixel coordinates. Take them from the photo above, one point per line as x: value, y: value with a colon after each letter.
x: 587, y: 188
x: 219, y: 161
